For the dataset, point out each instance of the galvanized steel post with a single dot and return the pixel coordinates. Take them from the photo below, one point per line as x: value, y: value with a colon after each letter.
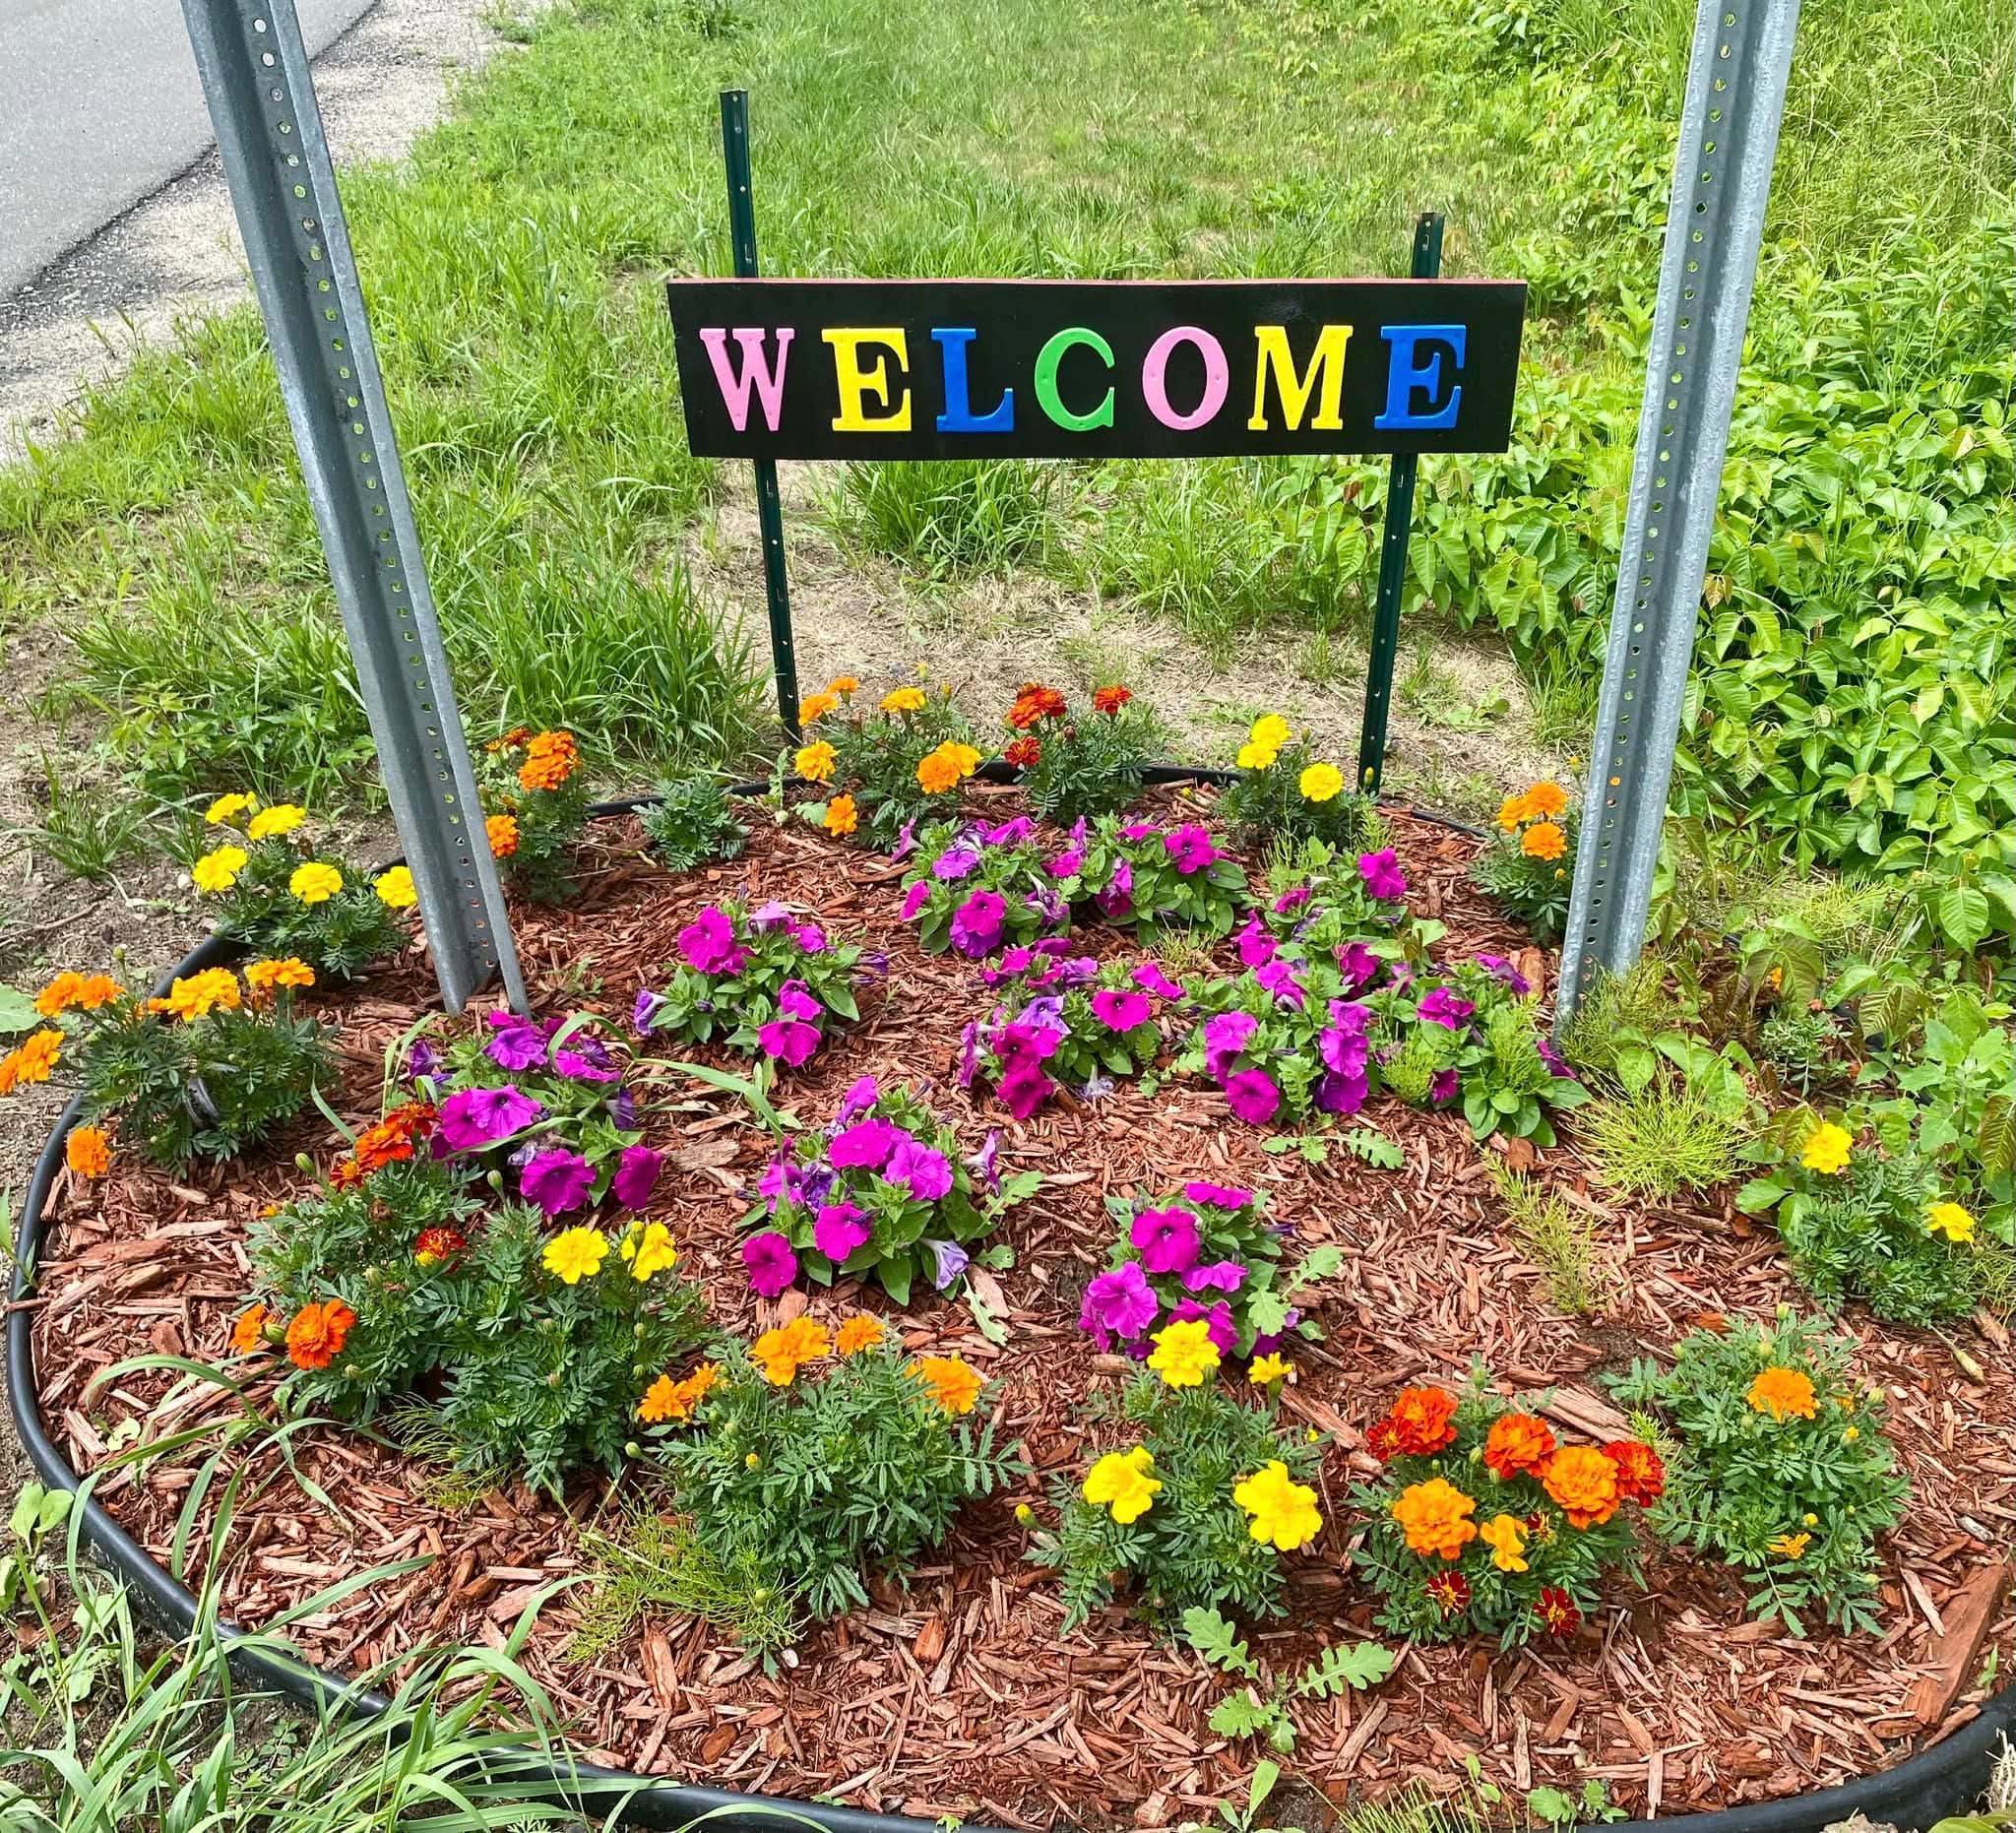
x: 1722, y: 178
x: 261, y: 94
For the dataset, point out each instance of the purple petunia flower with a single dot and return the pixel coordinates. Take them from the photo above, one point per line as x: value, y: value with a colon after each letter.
x: 1442, y: 1088
x: 771, y: 1263
x: 1252, y: 1096
x: 623, y: 1112
x: 1346, y: 1043
x: 473, y: 1118
x: 518, y: 1044
x: 1120, y: 1011
x: 707, y: 944
x: 1016, y: 961
x: 839, y: 1228
x: 1439, y: 1006
x: 865, y: 1145
x: 585, y: 1058
x: 557, y: 1181
x: 644, y: 1010
x: 955, y: 862
x: 1010, y: 833
x: 1049, y: 905
x: 1116, y: 901
x: 1218, y: 1196
x: 1276, y: 978
x: 1505, y: 973
x: 906, y: 842
x: 636, y: 1176
x: 809, y: 936
x: 861, y: 1095
x: 794, y: 1000
x: 985, y: 1162
x: 1342, y: 1092
x: 1256, y: 944
x: 925, y: 1168
x: 952, y: 1260
x: 1382, y: 875
x: 1216, y: 1276
x: 1095, y: 1087
x: 1150, y: 976
x: 1024, y: 1085
x: 1292, y: 900
x: 1558, y: 1064
x: 769, y: 915
x: 1224, y: 1036
x: 422, y: 1059
x: 790, y: 1041
x: 1167, y: 1239
x: 916, y: 898
x: 1190, y: 849
x: 1120, y: 1303
x: 782, y: 1181
x: 969, y: 1054
x: 977, y: 923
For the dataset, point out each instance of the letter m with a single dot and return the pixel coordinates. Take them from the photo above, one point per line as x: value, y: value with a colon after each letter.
x: 1326, y: 365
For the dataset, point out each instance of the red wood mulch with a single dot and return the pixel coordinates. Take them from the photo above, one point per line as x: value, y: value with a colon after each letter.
x: 960, y: 1695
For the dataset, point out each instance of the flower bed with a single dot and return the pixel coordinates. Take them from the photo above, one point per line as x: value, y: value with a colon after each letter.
x: 965, y: 1693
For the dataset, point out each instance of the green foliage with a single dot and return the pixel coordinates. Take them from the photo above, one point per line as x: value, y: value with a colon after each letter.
x: 1589, y: 1806
x: 693, y: 822
x: 821, y: 1484
x: 1663, y: 1138
x: 1801, y: 1046
x: 1795, y: 1502
x: 1192, y: 1548
x: 646, y: 1562
x: 256, y: 903
x: 1250, y: 1712
x: 876, y: 755
x: 86, y: 830
x: 949, y: 518
x: 1266, y: 801
x: 1558, y: 1238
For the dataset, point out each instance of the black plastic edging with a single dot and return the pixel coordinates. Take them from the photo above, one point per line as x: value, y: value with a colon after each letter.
x: 1948, y: 1779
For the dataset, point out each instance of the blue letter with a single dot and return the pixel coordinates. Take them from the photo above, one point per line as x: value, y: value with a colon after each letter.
x: 958, y: 417
x: 1406, y: 375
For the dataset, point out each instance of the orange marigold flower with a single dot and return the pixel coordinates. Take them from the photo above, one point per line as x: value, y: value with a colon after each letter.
x: 60, y: 994
x: 1022, y: 753
x: 248, y: 1332
x: 779, y: 1352
x: 441, y: 1242
x: 87, y: 1152
x: 344, y: 1173
x: 1435, y: 1517
x: 1423, y: 1417
x: 1544, y: 841
x: 859, y: 1332
x: 98, y: 990
x: 844, y: 684
x: 36, y: 1060
x: 550, y: 760
x: 201, y: 994
x: 953, y: 1384
x: 1513, y: 810
x: 1782, y: 1393
x: 1110, y: 699
x: 1641, y: 1477
x: 501, y: 831
x: 1450, y: 1591
x: 1547, y: 799
x: 841, y: 815
x: 392, y: 1139
x: 291, y: 971
x: 1516, y: 1445
x: 947, y: 767
x: 666, y: 1400
x: 1585, y: 1483
x: 1035, y: 702
x: 316, y: 1336
x: 816, y: 707
x: 510, y: 741
x: 1383, y: 1440
x: 1556, y: 1611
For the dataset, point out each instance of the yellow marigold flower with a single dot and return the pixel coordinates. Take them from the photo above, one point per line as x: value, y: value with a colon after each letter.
x: 814, y: 762
x: 817, y: 706
x: 782, y: 1352
x: 218, y: 870
x: 1544, y: 841
x: 574, y: 1254
x: 230, y: 809
x: 1265, y: 1370
x: 859, y: 1332
x: 1849, y: 1433
x: 947, y: 767
x: 840, y: 815
x: 1782, y: 1393
x: 280, y: 818
x: 1792, y: 1545
x: 1547, y: 799
x: 1284, y: 1513
x: 1120, y: 1483
x: 1271, y: 730
x: 954, y: 1386
x: 650, y: 1250
x: 1505, y: 1536
x: 1827, y: 1149
x: 292, y: 970
x: 1513, y: 810
x: 1951, y: 1220
x: 501, y: 831
x: 1024, y: 1514
x: 1435, y: 1518
x: 843, y: 684
x: 1184, y: 1353
x: 315, y: 883
x: 88, y: 1151
x: 201, y: 994
x: 1257, y: 756
x: 904, y: 700
x: 1321, y: 782
x: 395, y: 888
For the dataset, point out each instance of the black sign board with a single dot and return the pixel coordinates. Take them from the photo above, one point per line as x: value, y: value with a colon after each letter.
x: 931, y: 369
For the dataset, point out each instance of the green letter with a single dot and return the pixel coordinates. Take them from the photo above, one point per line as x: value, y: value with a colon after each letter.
x: 1046, y: 361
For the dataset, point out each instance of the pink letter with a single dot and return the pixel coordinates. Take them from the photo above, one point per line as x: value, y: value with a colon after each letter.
x: 1154, y: 377
x: 734, y: 388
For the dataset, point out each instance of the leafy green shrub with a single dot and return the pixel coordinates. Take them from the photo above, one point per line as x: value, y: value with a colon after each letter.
x: 693, y: 822
x: 1801, y: 1046
x: 821, y: 1484
x: 1663, y: 1138
x: 1558, y: 1238
x: 1165, y: 1515
x: 536, y: 800
x: 1783, y: 1468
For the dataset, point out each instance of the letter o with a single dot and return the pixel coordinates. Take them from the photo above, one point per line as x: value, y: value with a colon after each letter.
x: 1154, y: 377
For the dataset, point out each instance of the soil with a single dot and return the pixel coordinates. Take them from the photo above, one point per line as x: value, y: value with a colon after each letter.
x: 960, y: 1695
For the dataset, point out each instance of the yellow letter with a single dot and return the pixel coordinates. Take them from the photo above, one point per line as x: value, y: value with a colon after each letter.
x: 854, y: 381
x: 1296, y: 390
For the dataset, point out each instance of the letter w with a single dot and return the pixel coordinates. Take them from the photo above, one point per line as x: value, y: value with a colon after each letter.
x: 734, y: 388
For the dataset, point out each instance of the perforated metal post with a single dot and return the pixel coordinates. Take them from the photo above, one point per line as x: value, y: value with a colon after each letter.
x: 1722, y: 178
x: 269, y: 129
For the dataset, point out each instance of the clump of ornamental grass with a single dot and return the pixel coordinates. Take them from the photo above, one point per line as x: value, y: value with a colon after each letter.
x: 1783, y: 1470
x: 1196, y: 1502
x: 536, y: 800
x: 1285, y: 790
x: 887, y: 769
x: 693, y: 822
x: 813, y: 1484
x: 204, y: 1071
x: 1558, y: 1238
x: 642, y: 1562
x: 268, y: 888
x: 1663, y: 1138
x: 1075, y: 767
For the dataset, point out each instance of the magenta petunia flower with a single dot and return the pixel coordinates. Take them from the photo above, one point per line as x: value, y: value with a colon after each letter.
x: 790, y: 1041
x: 585, y: 1058
x: 518, y: 1044
x: 1505, y: 973
x: 1150, y: 976
x: 557, y: 1181
x: 1256, y: 943
x: 1382, y: 875
x: 1224, y: 1036
x: 1117, y: 1010
x: 1292, y: 900
x: 1442, y: 1089
x: 708, y: 944
x: 1138, y: 830
x: 925, y: 1168
x: 1342, y: 1092
x: 865, y: 1145
x: 794, y: 1000
x: 839, y: 1229
x: 1252, y: 1096
x: 955, y: 862
x: 916, y: 898
x: 861, y: 1093
x: 809, y: 937
x: 1276, y: 979
x: 771, y: 1263
x: 1167, y: 1239
x: 1024, y: 1085
x: 1218, y: 1196
x: 1116, y: 901
x: 473, y: 1118
x: 767, y: 915
x: 636, y: 1176
x: 1190, y: 849
x: 977, y: 923
x: 1068, y: 864
x: 1120, y: 1303
x: 1439, y: 1006
x: 1216, y: 1276
x: 1358, y: 965
x: 1010, y: 833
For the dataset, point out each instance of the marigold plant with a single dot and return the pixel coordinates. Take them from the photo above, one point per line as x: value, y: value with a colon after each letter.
x: 889, y: 766
x: 535, y: 799
x: 1285, y: 790
x: 1528, y: 868
x: 1073, y: 767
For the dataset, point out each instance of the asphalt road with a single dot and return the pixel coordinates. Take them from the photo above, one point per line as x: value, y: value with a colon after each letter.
x: 99, y: 107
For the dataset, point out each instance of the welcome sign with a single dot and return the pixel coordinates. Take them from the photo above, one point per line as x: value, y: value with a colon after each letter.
x: 939, y: 369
